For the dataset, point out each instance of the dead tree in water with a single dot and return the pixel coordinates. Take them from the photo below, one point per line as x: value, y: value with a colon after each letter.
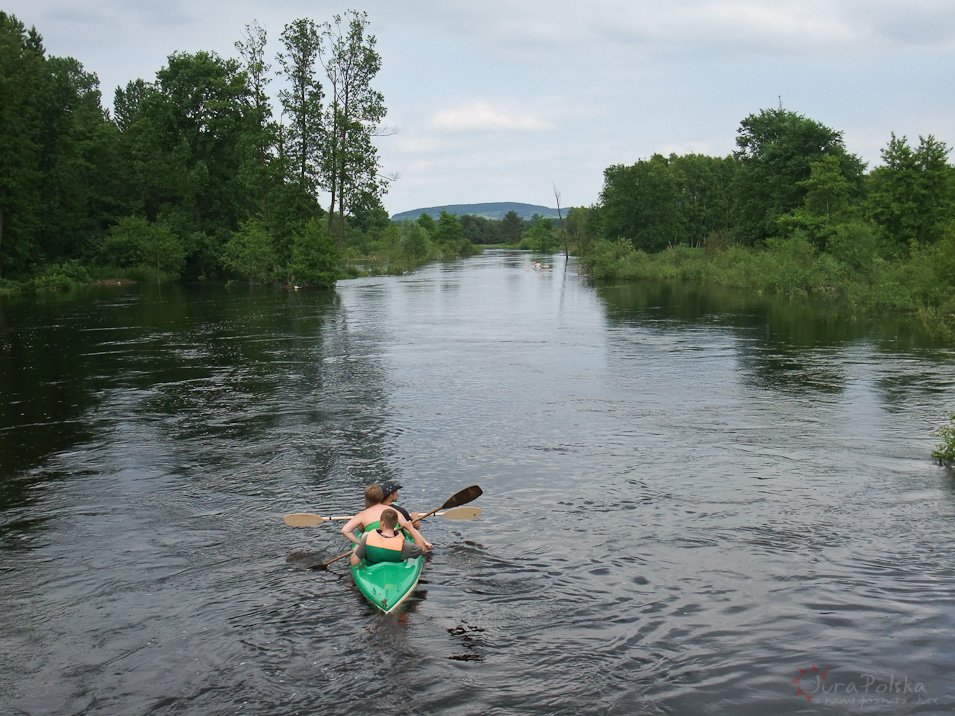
x: 560, y: 216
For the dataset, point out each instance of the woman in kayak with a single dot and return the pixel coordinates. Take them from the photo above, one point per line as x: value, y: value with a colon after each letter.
x: 385, y: 544
x: 368, y: 519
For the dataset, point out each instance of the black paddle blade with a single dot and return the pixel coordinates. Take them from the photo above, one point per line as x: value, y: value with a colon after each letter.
x: 463, y: 497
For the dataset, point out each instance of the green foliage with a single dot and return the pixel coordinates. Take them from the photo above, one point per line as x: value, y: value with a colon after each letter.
x: 945, y: 451
x: 512, y: 226
x: 135, y: 243
x: 540, y: 237
x: 250, y: 253
x: 448, y: 237
x: 667, y: 201
x: 641, y: 203
x: 913, y: 196
x: 415, y: 242
x: 776, y: 149
x: 315, y: 257
x: 857, y: 245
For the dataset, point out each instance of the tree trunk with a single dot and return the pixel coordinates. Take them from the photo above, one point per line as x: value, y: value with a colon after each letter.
x: 561, y: 217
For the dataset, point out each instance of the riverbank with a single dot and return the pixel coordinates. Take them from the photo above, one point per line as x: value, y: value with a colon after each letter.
x: 921, y: 285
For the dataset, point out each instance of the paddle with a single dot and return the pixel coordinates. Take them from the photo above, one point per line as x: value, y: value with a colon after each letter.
x: 458, y: 498
x: 307, y: 519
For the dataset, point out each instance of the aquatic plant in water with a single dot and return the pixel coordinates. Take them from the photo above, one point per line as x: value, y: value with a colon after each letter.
x: 945, y: 452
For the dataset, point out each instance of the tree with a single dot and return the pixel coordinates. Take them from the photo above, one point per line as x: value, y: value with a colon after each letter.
x: 351, y: 166
x: 540, y: 237
x: 139, y: 244
x: 512, y: 226
x: 22, y: 75
x: 204, y: 101
x: 449, y: 236
x: 704, y: 195
x: 260, y: 170
x: 913, y: 195
x: 775, y: 151
x: 641, y: 203
x: 581, y: 223
x: 302, y: 101
x: 826, y: 204
x: 58, y: 154
x: 414, y: 240
x: 426, y: 222
x: 249, y: 252
x: 560, y: 216
x: 315, y: 257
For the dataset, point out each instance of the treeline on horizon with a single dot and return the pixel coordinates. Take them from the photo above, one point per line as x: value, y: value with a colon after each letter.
x: 192, y: 176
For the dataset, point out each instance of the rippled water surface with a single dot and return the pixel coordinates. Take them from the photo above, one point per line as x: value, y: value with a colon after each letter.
x: 690, y: 499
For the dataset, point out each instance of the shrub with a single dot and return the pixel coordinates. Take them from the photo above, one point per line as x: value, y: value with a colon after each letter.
x: 945, y: 452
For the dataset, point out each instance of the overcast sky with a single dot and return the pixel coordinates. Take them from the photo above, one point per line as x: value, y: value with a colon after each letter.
x: 502, y: 100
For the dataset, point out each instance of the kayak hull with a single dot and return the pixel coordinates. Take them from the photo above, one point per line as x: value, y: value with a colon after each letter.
x: 387, y: 584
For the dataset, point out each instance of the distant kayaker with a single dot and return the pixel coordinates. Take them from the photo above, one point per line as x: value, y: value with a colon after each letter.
x: 385, y: 544
x: 370, y: 516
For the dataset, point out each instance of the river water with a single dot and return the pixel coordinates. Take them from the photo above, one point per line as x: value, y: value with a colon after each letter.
x: 692, y: 499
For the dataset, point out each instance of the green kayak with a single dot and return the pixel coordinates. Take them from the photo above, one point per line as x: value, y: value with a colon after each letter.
x: 387, y: 584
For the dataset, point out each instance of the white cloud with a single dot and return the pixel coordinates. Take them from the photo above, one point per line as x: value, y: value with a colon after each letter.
x: 483, y: 116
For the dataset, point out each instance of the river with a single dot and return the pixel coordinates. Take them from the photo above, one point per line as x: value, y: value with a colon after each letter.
x: 695, y: 501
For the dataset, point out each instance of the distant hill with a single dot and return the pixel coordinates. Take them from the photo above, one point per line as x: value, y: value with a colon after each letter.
x: 492, y: 210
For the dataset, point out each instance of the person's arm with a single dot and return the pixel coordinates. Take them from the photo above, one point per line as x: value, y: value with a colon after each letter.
x: 409, y: 551
x: 415, y: 535
x: 359, y: 554
x: 349, y: 529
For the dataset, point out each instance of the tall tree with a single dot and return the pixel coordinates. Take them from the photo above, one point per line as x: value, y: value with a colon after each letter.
x: 641, y: 203
x: 511, y: 227
x: 22, y: 77
x: 353, y: 116
x: 57, y: 154
x: 913, y: 195
x: 261, y: 133
x: 775, y: 150
x: 302, y: 102
x: 704, y: 195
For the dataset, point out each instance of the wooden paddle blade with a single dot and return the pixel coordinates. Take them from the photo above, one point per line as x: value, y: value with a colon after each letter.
x: 464, y: 496
x: 303, y: 519
x: 461, y: 513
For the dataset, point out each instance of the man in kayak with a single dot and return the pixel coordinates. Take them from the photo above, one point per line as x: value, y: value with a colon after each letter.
x: 389, y: 490
x: 385, y: 544
x: 368, y: 519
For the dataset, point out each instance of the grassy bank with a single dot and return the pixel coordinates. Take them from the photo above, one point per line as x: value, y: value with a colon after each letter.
x: 920, y: 284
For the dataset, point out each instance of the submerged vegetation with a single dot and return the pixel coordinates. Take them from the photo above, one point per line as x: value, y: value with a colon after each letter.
x: 945, y: 452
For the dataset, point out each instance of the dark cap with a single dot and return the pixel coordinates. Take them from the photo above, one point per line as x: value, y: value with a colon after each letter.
x: 388, y: 487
